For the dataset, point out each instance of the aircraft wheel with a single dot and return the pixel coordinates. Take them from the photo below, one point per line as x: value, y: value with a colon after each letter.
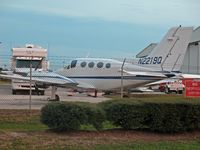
x: 41, y: 93
x: 14, y: 92
x: 57, y: 98
x: 180, y: 92
x: 167, y: 90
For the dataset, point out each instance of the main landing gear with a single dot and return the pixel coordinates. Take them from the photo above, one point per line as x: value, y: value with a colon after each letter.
x: 54, y: 96
x: 95, y: 93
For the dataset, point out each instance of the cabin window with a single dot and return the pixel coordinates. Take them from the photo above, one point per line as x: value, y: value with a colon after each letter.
x: 91, y: 65
x: 83, y: 64
x: 100, y: 64
x: 108, y: 65
x: 73, y: 63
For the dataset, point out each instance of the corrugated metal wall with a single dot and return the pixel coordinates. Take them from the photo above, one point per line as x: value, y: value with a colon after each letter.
x: 191, y: 62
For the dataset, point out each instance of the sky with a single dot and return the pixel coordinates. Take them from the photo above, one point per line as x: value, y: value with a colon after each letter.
x: 95, y: 28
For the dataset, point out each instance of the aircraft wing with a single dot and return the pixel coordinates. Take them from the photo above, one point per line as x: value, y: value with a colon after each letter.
x: 51, y: 79
x: 162, y: 81
x: 190, y: 76
x: 175, y: 78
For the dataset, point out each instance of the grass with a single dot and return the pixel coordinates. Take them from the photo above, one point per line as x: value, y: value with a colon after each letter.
x: 106, y: 126
x: 161, y: 98
x: 22, y: 127
x: 23, y: 145
x: 20, y: 131
x: 151, y: 146
x: 20, y: 120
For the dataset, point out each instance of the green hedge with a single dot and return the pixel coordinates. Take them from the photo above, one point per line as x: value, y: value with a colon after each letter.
x: 160, y: 117
x: 70, y: 116
x: 95, y: 115
x: 164, y: 117
x: 126, y: 115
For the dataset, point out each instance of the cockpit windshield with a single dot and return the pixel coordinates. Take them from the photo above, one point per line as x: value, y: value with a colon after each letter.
x: 73, y: 63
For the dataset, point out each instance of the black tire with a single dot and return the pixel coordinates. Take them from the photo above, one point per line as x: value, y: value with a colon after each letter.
x: 57, y: 98
x: 167, y: 90
x: 180, y: 92
x: 41, y: 92
x: 14, y: 92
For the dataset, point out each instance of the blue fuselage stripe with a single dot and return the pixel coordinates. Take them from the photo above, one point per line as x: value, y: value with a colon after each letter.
x: 116, y: 77
x: 139, y: 77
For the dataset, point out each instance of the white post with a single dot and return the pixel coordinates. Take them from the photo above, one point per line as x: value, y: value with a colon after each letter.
x: 53, y: 92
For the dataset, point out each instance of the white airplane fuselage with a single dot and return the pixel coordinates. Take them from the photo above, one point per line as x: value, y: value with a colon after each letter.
x: 104, y: 74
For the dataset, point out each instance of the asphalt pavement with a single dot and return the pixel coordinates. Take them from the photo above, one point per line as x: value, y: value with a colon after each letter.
x: 9, y: 101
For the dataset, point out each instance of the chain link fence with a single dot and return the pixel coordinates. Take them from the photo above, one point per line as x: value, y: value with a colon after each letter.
x: 10, y: 99
x: 21, y: 99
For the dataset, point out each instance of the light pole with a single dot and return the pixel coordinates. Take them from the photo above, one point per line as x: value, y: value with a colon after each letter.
x: 1, y: 68
x: 122, y: 77
x: 30, y: 96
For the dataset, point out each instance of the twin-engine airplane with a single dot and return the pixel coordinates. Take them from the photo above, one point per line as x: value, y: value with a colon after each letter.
x: 95, y: 73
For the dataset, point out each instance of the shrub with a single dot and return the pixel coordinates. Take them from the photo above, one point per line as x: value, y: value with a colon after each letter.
x: 191, y: 117
x: 70, y: 116
x: 125, y: 114
x: 175, y: 117
x: 156, y: 116
x: 60, y: 117
x: 95, y: 117
x: 164, y: 117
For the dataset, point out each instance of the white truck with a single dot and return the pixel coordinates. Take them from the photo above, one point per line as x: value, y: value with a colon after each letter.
x: 174, y: 87
x: 20, y: 62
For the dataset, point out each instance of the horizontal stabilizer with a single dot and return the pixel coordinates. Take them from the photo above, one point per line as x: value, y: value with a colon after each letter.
x: 145, y: 74
x: 190, y: 76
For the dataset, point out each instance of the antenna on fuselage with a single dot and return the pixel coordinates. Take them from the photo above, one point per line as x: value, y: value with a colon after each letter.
x: 87, y: 55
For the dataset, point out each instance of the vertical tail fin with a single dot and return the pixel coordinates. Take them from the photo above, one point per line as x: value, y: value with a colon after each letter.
x: 168, y: 55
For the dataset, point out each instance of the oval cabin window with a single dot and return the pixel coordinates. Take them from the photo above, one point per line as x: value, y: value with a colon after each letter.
x: 108, y: 65
x: 91, y: 65
x: 83, y: 64
x: 100, y: 64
